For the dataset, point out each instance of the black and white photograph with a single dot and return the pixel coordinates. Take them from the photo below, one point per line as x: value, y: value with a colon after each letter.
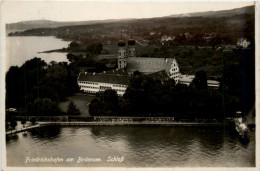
x: 116, y: 84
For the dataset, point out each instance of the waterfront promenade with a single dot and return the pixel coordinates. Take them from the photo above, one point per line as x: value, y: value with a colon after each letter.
x: 145, y: 123
x: 132, y: 123
x: 113, y: 121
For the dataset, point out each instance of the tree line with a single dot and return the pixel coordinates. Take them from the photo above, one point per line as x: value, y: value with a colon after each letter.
x: 36, y: 88
x: 146, y: 96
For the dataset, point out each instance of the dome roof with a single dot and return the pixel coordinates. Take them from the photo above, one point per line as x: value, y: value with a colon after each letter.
x: 131, y: 42
x: 121, y: 43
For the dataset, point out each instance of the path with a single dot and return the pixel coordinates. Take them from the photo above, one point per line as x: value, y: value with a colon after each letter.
x: 23, y: 129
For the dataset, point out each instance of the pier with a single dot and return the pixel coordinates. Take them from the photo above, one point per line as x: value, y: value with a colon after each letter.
x: 23, y: 129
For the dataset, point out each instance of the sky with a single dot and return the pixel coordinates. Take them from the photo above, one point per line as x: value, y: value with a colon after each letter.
x: 16, y: 11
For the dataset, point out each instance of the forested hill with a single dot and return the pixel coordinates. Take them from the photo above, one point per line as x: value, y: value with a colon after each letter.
x: 25, y: 25
x: 229, y: 25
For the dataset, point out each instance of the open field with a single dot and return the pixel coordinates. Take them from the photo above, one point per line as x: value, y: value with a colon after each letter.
x: 81, y: 101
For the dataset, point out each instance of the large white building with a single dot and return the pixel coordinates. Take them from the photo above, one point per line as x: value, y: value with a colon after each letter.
x: 128, y: 63
x: 93, y: 83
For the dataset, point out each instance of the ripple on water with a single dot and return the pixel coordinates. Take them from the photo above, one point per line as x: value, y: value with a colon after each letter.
x: 141, y: 146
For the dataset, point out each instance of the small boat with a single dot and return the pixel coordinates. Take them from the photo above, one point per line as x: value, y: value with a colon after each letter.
x: 241, y: 128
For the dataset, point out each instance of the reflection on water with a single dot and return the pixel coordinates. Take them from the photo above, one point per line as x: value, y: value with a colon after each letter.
x: 141, y: 146
x: 46, y: 132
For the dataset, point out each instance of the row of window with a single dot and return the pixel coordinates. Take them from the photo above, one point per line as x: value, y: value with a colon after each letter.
x: 92, y: 92
x: 121, y: 54
x: 173, y: 65
x: 102, y: 88
x: 122, y: 62
x: 119, y: 90
x: 87, y: 82
x: 174, y: 74
x: 174, y: 69
x: 117, y: 85
x: 88, y: 87
x: 175, y: 77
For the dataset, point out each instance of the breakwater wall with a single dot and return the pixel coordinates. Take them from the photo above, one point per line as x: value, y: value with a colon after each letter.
x: 132, y: 123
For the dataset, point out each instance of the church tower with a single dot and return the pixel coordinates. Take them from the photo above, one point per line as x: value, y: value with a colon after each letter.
x: 131, y: 48
x: 122, y: 57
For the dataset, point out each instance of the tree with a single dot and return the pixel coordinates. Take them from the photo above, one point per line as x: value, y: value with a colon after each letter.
x: 110, y: 102
x: 95, y: 107
x: 72, y: 109
x: 23, y: 121
x: 13, y: 123
x: 136, y: 73
x: 33, y: 120
x: 200, y: 80
x: 74, y: 44
x: 72, y: 58
x: 95, y: 48
x: 23, y: 83
x: 44, y: 107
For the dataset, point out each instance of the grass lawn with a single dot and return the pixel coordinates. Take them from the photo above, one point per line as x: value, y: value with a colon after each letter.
x: 81, y: 101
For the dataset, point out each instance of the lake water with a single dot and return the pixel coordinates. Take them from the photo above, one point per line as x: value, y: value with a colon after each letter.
x: 21, y: 49
x: 141, y: 146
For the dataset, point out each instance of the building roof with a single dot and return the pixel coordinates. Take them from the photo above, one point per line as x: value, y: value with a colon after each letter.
x: 148, y: 65
x: 121, y: 43
x: 159, y: 75
x: 213, y: 82
x: 189, y: 78
x: 104, y: 78
x: 186, y: 78
x: 117, y: 72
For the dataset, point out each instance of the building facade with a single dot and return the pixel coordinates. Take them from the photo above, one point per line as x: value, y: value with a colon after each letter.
x: 93, y: 83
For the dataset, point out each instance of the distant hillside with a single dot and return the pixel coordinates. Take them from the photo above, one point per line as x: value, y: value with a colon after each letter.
x: 217, y: 14
x: 224, y: 27
x: 26, y: 25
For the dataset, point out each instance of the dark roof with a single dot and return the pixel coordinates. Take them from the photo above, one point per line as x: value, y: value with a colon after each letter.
x: 148, y: 65
x: 117, y: 72
x: 104, y: 78
x: 159, y: 75
x: 131, y: 42
x: 121, y: 43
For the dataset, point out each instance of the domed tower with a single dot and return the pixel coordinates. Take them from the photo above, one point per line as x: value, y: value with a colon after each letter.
x: 121, y: 54
x: 131, y: 47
